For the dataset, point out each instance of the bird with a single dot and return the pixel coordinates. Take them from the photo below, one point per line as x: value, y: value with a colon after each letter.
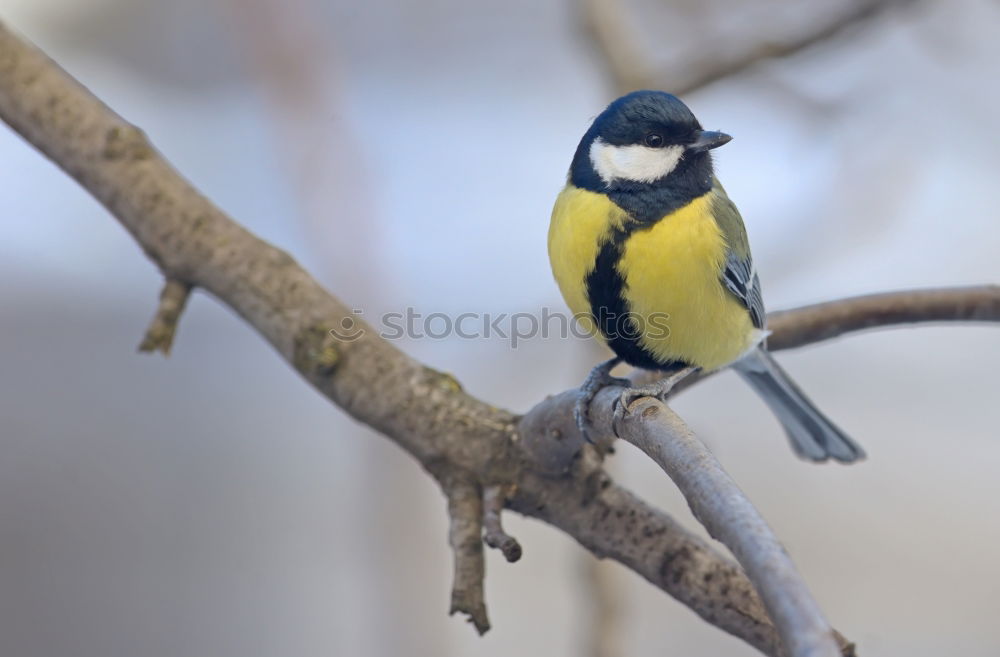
x: 652, y: 256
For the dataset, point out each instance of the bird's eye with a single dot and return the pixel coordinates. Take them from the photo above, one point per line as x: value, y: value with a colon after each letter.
x: 654, y: 140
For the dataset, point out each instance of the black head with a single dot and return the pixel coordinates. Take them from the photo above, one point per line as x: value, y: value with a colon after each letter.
x: 646, y: 140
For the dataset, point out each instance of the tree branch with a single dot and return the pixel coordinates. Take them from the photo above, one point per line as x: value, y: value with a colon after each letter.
x: 160, y: 334
x: 466, y: 444
x: 465, y: 508
x: 612, y: 522
x: 719, y: 504
x: 825, y: 321
x: 494, y: 498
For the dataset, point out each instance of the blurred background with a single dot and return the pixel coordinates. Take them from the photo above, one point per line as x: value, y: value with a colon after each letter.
x: 408, y: 153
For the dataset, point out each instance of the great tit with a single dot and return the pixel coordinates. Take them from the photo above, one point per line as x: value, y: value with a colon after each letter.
x: 646, y: 245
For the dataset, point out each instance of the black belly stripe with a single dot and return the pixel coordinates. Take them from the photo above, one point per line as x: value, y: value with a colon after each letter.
x: 645, y: 205
x: 606, y: 293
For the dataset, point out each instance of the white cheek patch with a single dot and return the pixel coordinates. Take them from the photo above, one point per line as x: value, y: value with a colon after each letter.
x: 635, y: 162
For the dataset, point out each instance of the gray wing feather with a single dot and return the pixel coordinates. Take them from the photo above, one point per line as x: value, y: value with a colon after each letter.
x: 740, y: 279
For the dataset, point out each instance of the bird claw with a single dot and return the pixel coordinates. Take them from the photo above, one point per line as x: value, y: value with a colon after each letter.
x: 618, y: 408
x: 658, y: 390
x: 600, y: 377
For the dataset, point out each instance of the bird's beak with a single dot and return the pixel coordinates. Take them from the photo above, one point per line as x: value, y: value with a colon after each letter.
x: 707, y: 140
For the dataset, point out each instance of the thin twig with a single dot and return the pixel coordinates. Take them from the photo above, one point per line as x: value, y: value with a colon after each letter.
x: 711, y: 70
x: 465, y: 509
x: 494, y: 498
x: 719, y: 504
x: 160, y: 334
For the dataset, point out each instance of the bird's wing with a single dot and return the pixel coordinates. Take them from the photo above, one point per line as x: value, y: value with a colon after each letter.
x: 738, y: 274
x: 740, y: 279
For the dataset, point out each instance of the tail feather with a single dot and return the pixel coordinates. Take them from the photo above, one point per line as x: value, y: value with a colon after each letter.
x: 812, y: 435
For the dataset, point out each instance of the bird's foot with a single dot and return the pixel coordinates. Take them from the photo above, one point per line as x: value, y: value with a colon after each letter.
x: 598, y: 378
x: 658, y: 390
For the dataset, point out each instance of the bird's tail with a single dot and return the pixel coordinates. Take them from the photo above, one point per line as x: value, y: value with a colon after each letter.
x: 812, y: 435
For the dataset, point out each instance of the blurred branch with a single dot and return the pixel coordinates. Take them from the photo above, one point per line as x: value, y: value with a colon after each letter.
x: 297, y: 68
x: 601, y: 627
x: 160, y: 334
x: 464, y: 443
x: 607, y: 23
x: 632, y: 68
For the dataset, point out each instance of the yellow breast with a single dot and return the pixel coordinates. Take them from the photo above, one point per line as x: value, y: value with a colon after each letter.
x: 673, y: 269
x: 582, y: 221
x: 671, y: 272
